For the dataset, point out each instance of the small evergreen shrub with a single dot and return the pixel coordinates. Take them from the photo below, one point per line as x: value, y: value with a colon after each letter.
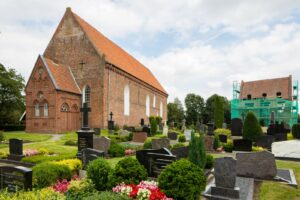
x: 181, y: 138
x: 2, y: 138
x: 148, y: 144
x: 251, y: 128
x: 79, y: 189
x: 153, y: 125
x: 218, y: 112
x: 209, y: 161
x: 222, y: 131
x: 99, y: 171
x: 197, y: 154
x: 116, y: 150
x: 47, y: 173
x: 228, y: 147
x: 182, y: 180
x: 128, y: 170
x: 158, y: 120
x: 217, y: 143
x: 296, y: 131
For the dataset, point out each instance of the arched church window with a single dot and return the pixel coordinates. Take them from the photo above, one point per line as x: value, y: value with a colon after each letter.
x: 45, y: 109
x: 86, y: 95
x: 74, y: 108
x: 147, y: 106
x: 37, y: 109
x: 161, y: 110
x: 126, y: 100
x: 154, y: 101
x: 64, y: 107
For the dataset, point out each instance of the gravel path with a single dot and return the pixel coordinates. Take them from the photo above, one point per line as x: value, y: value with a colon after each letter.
x: 56, y: 137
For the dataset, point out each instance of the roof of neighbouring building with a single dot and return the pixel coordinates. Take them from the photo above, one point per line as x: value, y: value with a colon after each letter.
x: 117, y: 56
x: 270, y: 87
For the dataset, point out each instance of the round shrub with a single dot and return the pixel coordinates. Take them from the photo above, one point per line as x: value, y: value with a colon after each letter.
x: 228, y: 147
x: 153, y: 125
x: 78, y: 189
x: 128, y: 170
x: 147, y: 144
x: 99, y: 171
x: 222, y: 131
x: 181, y: 138
x: 74, y: 164
x: 47, y: 173
x: 296, y: 131
x: 209, y: 161
x: 182, y: 180
x: 116, y: 150
x: 251, y: 128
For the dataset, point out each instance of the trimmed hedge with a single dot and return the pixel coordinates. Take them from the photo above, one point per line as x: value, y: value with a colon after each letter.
x: 251, y: 128
x: 17, y: 127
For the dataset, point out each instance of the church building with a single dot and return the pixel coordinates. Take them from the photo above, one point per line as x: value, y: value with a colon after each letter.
x: 82, y: 65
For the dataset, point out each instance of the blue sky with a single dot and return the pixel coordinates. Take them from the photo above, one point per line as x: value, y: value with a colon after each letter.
x: 198, y: 46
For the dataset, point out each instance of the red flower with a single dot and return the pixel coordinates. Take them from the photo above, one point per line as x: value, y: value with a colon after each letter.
x: 134, y: 191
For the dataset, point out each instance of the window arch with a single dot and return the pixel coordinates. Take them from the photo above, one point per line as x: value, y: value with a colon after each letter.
x: 126, y: 100
x: 161, y: 110
x: 64, y: 107
x: 154, y: 101
x: 46, y: 113
x: 147, y: 106
x: 74, y: 108
x: 86, y: 95
x: 36, y: 109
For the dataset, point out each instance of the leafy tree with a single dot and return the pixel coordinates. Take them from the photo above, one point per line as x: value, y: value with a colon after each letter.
x: 175, y: 111
x: 11, y: 100
x: 251, y: 128
x: 197, y: 154
x: 208, y: 115
x: 218, y: 112
x: 194, y: 108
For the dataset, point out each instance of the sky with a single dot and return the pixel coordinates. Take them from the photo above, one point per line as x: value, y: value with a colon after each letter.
x: 191, y: 46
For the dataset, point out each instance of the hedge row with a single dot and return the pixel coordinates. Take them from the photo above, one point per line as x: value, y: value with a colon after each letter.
x: 19, y: 127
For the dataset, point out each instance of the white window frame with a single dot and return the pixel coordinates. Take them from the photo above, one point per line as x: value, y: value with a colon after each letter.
x: 126, y: 100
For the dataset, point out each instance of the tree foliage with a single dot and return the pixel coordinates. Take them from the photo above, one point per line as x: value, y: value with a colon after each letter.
x: 11, y: 100
x: 175, y: 111
x: 251, y: 128
x: 197, y: 154
x: 218, y: 112
x: 194, y: 108
x: 208, y: 115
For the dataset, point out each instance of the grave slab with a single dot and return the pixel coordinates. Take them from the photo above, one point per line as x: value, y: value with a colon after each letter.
x: 286, y: 149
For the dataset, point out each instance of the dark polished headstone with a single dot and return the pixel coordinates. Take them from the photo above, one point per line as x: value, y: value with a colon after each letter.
x: 130, y: 128
x: 180, y: 152
x: 223, y: 138
x: 147, y: 130
x: 142, y: 122
x: 172, y: 135
x: 280, y: 137
x: 85, y: 116
x: 84, y: 140
x: 97, y: 131
x: 111, y: 125
x: 15, y: 149
x: 265, y: 141
x: 236, y: 127
x: 242, y: 145
x: 210, y: 128
x: 15, y: 178
x: 89, y: 155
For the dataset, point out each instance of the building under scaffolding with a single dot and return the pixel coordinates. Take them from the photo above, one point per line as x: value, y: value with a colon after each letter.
x: 272, y: 100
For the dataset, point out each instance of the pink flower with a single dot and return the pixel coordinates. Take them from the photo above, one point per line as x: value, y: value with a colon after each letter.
x: 61, y: 186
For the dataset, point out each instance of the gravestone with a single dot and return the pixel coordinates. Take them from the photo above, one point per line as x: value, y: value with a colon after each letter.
x: 102, y: 144
x: 210, y: 128
x: 85, y: 135
x: 260, y: 165
x: 224, y: 125
x: 203, y: 128
x: 155, y: 160
x: 142, y: 122
x: 15, y: 149
x: 89, y: 155
x: 225, y: 171
x: 265, y: 141
x: 188, y: 134
x: 209, y: 143
x: 15, y: 178
x: 223, y: 138
x: 280, y: 137
x: 236, y: 127
x: 124, y: 133
x: 97, y: 131
x: 180, y: 152
x: 130, y: 129
x: 172, y: 135
x: 140, y: 137
x: 165, y: 129
x: 111, y: 123
x: 242, y: 145
x: 183, y: 125
x: 147, y: 130
x: 160, y: 143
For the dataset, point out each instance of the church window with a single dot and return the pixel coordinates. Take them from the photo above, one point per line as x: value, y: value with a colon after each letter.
x: 40, y: 71
x: 161, y: 110
x: 278, y: 94
x: 40, y: 95
x: 45, y: 109
x: 147, y: 106
x: 86, y: 95
x: 126, y: 101
x: 154, y: 101
x: 37, y: 109
x: 64, y: 107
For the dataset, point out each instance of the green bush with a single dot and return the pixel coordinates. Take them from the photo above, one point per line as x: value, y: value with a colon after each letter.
x: 148, y: 144
x: 182, y: 180
x: 296, y: 131
x: 78, y: 189
x: 181, y: 138
x: 2, y: 138
x: 209, y: 161
x: 107, y: 196
x: 46, y: 174
x: 223, y: 131
x: 228, y: 147
x: 177, y: 145
x: 99, y: 171
x: 116, y: 150
x: 43, y: 194
x: 70, y: 143
x: 290, y: 136
x: 217, y: 143
x: 218, y: 112
x: 153, y: 125
x: 74, y: 164
x: 158, y: 120
x: 17, y: 127
x: 128, y: 170
x: 251, y: 128
x: 197, y: 154
x: 43, y: 158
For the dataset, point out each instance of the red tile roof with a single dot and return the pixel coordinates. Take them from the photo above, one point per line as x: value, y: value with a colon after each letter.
x: 117, y: 56
x: 269, y: 86
x: 61, y: 76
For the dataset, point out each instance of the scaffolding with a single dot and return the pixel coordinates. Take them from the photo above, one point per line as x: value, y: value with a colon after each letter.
x: 265, y: 109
